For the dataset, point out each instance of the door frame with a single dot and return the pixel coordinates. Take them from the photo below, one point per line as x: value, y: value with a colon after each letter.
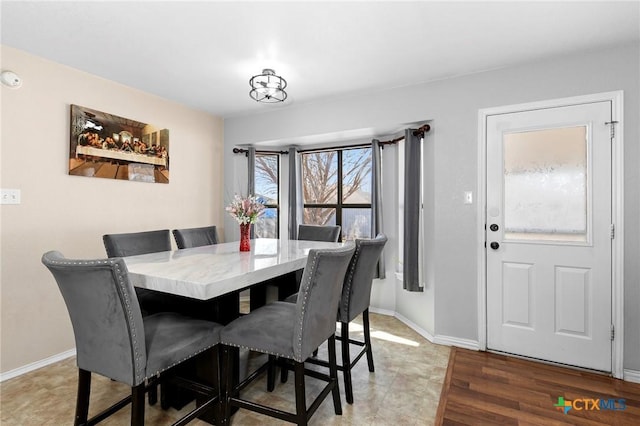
x: 617, y: 212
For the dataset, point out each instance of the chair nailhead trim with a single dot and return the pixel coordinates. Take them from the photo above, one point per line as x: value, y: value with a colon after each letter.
x: 305, y: 296
x: 138, y: 366
x: 180, y: 361
x: 352, y: 268
x: 235, y: 345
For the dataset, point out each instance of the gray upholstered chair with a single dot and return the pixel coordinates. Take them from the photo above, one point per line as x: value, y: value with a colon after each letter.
x: 287, y: 285
x: 356, y: 295
x: 114, y: 340
x: 135, y: 243
x: 152, y: 302
x: 291, y: 332
x: 329, y: 233
x: 195, y: 237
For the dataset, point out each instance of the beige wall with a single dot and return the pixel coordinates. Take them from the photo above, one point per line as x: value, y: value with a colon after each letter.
x: 71, y: 213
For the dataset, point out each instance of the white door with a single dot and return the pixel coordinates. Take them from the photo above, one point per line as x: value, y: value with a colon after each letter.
x: 549, y: 234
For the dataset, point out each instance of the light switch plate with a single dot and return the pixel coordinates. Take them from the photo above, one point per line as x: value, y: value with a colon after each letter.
x: 10, y: 196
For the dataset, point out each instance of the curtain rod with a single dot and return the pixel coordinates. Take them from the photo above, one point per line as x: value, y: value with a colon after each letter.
x: 420, y: 131
x: 333, y: 148
x: 246, y: 152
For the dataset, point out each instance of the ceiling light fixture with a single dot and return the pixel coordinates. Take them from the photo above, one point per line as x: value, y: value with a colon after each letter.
x: 268, y: 87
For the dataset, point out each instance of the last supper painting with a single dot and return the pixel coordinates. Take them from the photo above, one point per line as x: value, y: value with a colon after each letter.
x: 108, y: 146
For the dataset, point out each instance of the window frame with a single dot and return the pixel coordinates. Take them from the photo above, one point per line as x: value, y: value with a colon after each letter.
x: 340, y: 205
x: 277, y: 205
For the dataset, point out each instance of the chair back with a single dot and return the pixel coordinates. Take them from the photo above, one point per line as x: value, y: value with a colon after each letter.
x: 105, y: 315
x: 134, y: 243
x: 356, y: 290
x: 318, y: 299
x: 195, y: 237
x: 329, y: 233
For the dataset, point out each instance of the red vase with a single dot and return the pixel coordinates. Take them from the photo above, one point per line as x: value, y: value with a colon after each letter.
x: 245, y: 237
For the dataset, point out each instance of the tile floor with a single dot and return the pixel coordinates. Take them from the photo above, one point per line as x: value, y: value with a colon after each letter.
x: 405, y: 388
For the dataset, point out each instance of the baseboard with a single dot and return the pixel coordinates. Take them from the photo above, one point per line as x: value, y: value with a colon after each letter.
x: 382, y: 311
x: 440, y: 339
x: 421, y: 331
x: 457, y: 342
x: 632, y: 376
x: 36, y: 365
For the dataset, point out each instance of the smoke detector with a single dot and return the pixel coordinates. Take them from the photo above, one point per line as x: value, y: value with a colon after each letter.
x: 10, y: 79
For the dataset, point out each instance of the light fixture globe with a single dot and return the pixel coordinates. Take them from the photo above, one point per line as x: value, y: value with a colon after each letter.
x: 268, y: 87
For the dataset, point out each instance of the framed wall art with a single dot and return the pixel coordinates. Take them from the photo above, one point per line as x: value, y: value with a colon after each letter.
x: 108, y: 146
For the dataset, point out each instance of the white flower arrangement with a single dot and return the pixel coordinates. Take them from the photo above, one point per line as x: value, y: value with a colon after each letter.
x: 245, y: 209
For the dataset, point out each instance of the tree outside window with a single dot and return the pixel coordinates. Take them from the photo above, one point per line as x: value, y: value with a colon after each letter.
x: 267, y: 178
x: 336, y: 190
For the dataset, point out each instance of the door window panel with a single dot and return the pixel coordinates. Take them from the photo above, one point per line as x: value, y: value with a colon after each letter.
x: 545, y: 185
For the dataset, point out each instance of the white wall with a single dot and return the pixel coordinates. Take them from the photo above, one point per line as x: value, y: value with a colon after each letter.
x: 71, y: 213
x: 452, y: 106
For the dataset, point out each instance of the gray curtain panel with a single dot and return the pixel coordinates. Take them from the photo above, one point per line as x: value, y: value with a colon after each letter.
x: 295, y: 193
x: 251, y: 176
x: 376, y: 200
x: 412, y: 201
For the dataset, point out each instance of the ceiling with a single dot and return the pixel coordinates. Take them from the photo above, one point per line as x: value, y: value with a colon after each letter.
x: 203, y: 53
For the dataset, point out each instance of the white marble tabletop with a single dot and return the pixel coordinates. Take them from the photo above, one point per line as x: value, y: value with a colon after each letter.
x: 211, y: 271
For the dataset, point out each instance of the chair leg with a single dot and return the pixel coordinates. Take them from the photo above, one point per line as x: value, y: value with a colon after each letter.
x: 271, y: 373
x: 137, y: 405
x: 301, y: 402
x: 218, y: 411
x: 284, y: 373
x: 209, y: 366
x: 333, y: 373
x: 153, y: 394
x: 346, y: 362
x: 165, y: 396
x: 227, y: 371
x: 82, y: 400
x: 367, y: 339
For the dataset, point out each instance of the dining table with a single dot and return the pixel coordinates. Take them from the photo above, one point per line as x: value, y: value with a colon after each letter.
x: 218, y: 273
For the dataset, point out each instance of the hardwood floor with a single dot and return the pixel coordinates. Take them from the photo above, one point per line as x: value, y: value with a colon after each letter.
x: 482, y: 389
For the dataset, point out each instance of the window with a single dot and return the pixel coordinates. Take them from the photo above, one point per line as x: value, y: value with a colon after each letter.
x: 267, y: 178
x: 336, y: 190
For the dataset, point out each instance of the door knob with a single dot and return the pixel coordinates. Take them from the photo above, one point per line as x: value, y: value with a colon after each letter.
x: 494, y: 245
x: 494, y: 227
